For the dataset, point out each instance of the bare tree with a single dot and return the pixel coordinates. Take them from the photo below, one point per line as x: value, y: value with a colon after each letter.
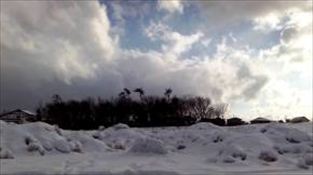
x: 121, y: 94
x: 140, y: 91
x: 220, y: 110
x: 200, y: 107
x: 168, y: 93
x: 127, y: 91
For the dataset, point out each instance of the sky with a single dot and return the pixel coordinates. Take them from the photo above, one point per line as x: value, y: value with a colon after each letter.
x: 255, y: 56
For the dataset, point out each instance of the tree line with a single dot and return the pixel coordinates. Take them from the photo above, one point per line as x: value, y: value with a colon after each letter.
x: 144, y: 111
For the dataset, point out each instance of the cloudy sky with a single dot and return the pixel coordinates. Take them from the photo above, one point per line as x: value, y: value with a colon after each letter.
x: 254, y: 55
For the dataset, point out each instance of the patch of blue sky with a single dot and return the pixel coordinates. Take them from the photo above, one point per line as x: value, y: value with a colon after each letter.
x: 188, y: 22
x: 133, y: 35
x: 200, y: 51
x: 260, y: 40
x: 245, y: 35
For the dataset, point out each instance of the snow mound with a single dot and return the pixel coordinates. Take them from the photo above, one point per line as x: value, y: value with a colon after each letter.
x: 42, y: 139
x: 286, y: 134
x: 33, y: 145
x: 306, y: 161
x: 118, y: 139
x: 120, y: 126
x: 5, y: 154
x: 204, y: 126
x: 148, y: 145
x: 231, y: 153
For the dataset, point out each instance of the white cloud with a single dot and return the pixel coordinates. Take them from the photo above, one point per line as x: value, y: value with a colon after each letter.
x: 71, y: 36
x: 171, y: 6
x: 206, y: 42
x: 290, y: 65
x: 268, y: 22
x: 265, y: 15
x: 174, y: 42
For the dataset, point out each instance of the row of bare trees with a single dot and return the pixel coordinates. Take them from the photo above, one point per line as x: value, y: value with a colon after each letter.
x: 167, y: 110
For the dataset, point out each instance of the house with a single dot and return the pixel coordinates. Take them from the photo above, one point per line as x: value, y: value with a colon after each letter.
x: 260, y: 120
x: 299, y: 119
x: 18, y: 116
x: 216, y: 121
x: 235, y: 121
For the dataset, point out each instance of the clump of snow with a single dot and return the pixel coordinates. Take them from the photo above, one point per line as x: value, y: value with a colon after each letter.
x: 76, y: 146
x: 58, y: 130
x: 62, y: 146
x: 308, y: 159
x: 120, y: 126
x: 231, y: 153
x: 268, y: 156
x: 33, y: 145
x: 228, y: 159
x: 180, y: 147
x: 302, y: 164
x: 148, y: 145
x: 85, y: 142
x: 305, y: 161
x: 117, y: 144
x: 218, y: 137
x: 101, y: 128
x: 118, y: 137
x: 293, y: 149
x: 6, y: 154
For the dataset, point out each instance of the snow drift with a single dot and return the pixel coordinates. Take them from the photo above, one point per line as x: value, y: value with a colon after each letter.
x: 200, y: 149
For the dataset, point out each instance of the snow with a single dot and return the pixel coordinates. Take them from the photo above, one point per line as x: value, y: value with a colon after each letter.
x: 148, y: 145
x: 28, y: 112
x: 203, y: 148
x: 268, y: 156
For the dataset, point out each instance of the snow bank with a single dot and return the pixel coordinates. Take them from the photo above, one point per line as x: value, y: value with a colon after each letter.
x: 248, y: 147
x: 41, y: 139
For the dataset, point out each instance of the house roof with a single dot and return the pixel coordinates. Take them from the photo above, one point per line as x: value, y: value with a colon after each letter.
x: 259, y: 119
x: 28, y: 112
x: 18, y: 110
x: 234, y: 118
x: 300, y: 119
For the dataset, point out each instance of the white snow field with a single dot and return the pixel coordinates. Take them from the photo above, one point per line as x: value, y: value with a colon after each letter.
x: 203, y: 148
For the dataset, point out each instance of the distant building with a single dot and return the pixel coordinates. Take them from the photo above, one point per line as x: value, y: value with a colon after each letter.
x: 18, y: 116
x: 260, y: 120
x: 235, y: 121
x: 299, y: 119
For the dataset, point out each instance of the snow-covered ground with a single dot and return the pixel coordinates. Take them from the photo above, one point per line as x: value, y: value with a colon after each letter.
x: 39, y: 148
